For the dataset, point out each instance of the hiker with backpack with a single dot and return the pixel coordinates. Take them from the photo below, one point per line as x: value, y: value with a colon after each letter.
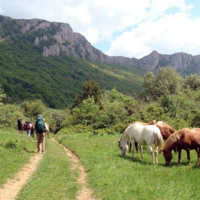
x: 20, y: 125
x: 40, y: 129
x: 27, y: 127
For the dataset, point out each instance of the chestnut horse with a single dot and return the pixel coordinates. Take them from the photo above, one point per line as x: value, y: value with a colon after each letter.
x: 165, y: 129
x: 183, y: 139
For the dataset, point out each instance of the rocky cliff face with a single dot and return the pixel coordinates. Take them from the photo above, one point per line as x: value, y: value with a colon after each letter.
x: 76, y: 45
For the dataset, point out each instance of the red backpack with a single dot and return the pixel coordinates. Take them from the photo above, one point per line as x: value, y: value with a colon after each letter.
x: 26, y: 126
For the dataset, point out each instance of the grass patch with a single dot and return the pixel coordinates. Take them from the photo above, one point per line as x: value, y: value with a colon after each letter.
x: 112, y: 176
x: 53, y: 178
x: 15, y: 151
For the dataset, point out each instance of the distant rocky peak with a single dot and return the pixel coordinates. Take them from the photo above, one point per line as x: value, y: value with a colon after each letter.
x: 76, y: 45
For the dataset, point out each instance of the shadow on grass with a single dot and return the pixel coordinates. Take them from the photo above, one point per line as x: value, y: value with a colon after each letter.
x: 144, y: 162
x: 135, y: 160
x: 27, y: 151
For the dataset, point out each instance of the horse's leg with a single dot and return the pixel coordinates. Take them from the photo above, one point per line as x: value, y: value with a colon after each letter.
x: 156, y: 155
x: 136, y: 146
x: 188, y: 155
x: 151, y: 150
x: 130, y: 147
x: 141, y: 151
x: 132, y: 142
x: 197, y: 150
x: 179, y: 155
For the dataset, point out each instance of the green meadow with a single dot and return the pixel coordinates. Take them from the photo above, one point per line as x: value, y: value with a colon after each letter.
x: 110, y: 175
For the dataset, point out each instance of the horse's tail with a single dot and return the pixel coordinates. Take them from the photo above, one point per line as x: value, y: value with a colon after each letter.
x: 159, y: 140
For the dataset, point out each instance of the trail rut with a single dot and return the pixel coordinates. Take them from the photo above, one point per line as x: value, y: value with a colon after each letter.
x: 85, y: 193
x: 11, y: 188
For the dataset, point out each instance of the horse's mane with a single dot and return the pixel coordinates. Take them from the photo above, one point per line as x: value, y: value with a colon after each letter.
x: 143, y: 123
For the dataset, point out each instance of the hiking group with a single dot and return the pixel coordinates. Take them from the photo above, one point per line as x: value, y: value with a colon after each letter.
x: 39, y: 127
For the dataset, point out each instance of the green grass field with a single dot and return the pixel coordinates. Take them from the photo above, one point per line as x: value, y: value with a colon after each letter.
x: 15, y: 151
x: 53, y: 178
x: 112, y: 176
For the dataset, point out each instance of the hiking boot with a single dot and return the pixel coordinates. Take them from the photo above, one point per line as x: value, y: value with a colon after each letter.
x: 38, y: 151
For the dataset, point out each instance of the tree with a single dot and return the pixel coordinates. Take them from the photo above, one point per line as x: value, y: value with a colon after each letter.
x: 33, y: 108
x: 2, y: 94
x: 90, y: 89
x: 165, y: 80
x: 192, y: 82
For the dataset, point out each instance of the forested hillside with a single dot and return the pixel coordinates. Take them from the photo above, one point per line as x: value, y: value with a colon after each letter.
x: 25, y: 74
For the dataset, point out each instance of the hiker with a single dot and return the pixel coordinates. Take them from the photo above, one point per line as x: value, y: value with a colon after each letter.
x: 40, y: 129
x: 27, y: 127
x: 20, y: 126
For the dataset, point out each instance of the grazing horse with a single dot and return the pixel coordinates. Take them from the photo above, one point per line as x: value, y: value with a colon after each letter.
x: 165, y: 129
x: 183, y: 139
x: 143, y: 123
x: 143, y: 135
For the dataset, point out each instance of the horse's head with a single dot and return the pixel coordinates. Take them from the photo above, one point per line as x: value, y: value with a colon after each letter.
x: 123, y: 147
x: 168, y: 156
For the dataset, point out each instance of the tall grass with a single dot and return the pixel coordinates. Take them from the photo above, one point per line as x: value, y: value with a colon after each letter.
x: 113, y: 176
x: 15, y: 151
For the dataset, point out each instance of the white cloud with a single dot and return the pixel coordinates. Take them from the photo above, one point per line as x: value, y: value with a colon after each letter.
x: 164, y: 26
x: 170, y: 34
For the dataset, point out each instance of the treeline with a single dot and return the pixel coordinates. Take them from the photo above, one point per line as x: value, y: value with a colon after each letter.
x: 166, y: 97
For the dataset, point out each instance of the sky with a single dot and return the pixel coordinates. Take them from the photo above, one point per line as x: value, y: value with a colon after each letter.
x: 130, y: 28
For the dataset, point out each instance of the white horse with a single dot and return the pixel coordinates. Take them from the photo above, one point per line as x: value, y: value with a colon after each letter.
x: 143, y: 135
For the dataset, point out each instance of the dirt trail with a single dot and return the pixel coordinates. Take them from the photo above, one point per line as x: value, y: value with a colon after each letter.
x: 11, y: 188
x: 85, y: 193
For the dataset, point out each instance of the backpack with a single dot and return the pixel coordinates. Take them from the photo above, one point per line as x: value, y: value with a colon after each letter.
x: 20, y: 124
x: 26, y: 126
x: 40, y: 125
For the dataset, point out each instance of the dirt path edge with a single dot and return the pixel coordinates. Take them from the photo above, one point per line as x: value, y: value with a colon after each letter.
x: 12, y: 187
x: 85, y: 193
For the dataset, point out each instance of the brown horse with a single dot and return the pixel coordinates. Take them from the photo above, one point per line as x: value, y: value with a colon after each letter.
x: 183, y: 139
x: 142, y: 123
x: 165, y: 129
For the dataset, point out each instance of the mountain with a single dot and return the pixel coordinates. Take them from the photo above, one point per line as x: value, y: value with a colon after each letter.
x: 76, y: 45
x: 47, y: 60
x: 44, y: 60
